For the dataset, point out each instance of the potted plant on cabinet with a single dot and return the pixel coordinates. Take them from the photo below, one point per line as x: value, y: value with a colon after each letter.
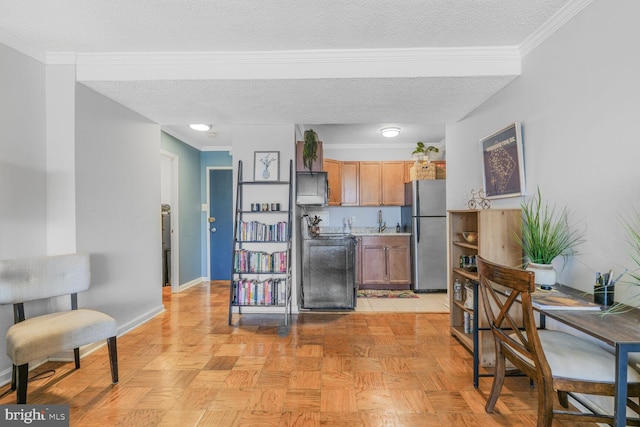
x: 421, y: 153
x: 310, y: 148
x: 546, y: 234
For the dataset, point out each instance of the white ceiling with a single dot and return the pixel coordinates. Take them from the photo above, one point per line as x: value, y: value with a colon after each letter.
x: 357, y: 64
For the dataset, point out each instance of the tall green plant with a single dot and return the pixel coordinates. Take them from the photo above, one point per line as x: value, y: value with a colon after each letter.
x: 546, y: 232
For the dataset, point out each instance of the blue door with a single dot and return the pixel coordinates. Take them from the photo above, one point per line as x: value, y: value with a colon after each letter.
x: 220, y: 223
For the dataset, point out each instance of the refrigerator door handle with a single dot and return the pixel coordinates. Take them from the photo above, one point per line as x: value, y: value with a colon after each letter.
x: 417, y: 220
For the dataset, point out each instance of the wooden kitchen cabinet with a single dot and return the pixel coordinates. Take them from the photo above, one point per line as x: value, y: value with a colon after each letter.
x: 316, y: 166
x: 370, y: 181
x: 392, y: 183
x: 384, y: 262
x: 350, y: 183
x: 334, y: 177
x: 382, y: 183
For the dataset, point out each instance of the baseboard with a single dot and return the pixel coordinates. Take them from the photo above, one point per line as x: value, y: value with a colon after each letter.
x: 192, y: 283
x: 67, y: 356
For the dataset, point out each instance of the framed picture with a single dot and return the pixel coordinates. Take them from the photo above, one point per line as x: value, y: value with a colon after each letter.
x: 503, y: 163
x: 266, y: 165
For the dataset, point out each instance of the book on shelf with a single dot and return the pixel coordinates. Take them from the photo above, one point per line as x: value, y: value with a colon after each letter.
x: 556, y: 300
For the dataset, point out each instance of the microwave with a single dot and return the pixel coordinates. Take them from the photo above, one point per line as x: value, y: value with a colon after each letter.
x: 311, y: 188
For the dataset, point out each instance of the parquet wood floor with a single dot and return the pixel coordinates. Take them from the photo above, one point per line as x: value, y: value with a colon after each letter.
x: 187, y: 367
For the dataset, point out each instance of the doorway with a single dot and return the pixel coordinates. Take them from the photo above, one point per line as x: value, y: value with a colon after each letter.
x: 220, y: 222
x: 169, y: 196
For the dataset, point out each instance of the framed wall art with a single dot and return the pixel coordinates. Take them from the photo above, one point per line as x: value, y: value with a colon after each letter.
x: 503, y: 163
x: 266, y: 165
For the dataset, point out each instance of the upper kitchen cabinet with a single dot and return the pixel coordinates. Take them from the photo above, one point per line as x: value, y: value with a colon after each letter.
x: 350, y: 183
x: 370, y: 183
x: 382, y: 183
x: 334, y: 176
x: 392, y: 183
x: 317, y: 163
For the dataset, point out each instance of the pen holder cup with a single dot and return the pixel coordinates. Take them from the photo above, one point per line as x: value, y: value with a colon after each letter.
x: 603, y: 295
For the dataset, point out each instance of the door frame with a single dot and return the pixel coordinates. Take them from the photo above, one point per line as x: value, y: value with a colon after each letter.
x: 175, y: 220
x: 207, y: 225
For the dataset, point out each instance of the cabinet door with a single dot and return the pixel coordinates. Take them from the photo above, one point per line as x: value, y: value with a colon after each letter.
x: 370, y: 175
x: 392, y: 180
x: 407, y: 170
x: 350, y: 171
x: 316, y: 166
x: 334, y: 176
x: 374, y: 265
x: 399, y: 265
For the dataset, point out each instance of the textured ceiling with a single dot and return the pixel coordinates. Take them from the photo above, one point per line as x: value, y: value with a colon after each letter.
x: 170, y: 26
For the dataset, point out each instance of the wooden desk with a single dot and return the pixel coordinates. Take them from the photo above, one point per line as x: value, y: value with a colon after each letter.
x: 621, y: 331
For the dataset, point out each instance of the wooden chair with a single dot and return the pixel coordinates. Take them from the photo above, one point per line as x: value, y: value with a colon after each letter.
x: 41, y: 336
x: 554, y: 360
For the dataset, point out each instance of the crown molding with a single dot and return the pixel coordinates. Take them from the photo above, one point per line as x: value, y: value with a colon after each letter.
x: 369, y: 146
x: 22, y: 46
x: 61, y: 58
x: 553, y: 24
x: 349, y: 63
x: 498, y: 53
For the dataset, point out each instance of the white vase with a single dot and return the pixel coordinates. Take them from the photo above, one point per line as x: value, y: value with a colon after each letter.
x: 545, y: 274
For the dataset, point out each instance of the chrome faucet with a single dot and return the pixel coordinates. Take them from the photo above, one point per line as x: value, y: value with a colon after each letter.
x: 381, y: 225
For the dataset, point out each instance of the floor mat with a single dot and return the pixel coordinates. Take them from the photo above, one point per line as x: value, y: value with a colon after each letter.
x: 380, y: 293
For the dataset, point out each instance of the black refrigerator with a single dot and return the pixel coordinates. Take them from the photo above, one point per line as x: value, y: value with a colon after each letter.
x: 425, y: 216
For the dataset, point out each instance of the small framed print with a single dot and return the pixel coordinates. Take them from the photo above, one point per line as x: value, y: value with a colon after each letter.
x: 503, y: 163
x: 266, y: 165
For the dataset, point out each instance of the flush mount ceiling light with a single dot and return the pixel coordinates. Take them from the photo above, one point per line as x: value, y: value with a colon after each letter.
x: 200, y: 127
x: 390, y: 132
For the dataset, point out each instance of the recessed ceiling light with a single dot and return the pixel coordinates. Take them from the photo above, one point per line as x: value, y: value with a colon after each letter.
x: 200, y: 127
x: 390, y: 132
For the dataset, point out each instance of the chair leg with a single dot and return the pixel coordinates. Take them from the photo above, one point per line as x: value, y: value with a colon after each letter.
x: 22, y: 377
x: 113, y: 358
x: 14, y: 370
x: 498, y: 381
x: 545, y: 404
x: 76, y: 357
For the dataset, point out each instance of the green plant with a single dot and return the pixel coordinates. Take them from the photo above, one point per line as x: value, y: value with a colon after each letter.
x: 310, y: 149
x: 546, y: 232
x: 421, y: 149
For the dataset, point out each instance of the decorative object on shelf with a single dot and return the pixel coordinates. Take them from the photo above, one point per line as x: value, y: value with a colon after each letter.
x: 470, y: 236
x: 502, y: 163
x: 266, y: 166
x: 421, y: 153
x: 310, y: 149
x: 546, y: 234
x: 478, y: 200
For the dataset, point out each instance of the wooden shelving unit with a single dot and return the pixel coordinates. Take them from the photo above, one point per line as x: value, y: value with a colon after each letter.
x: 496, y: 229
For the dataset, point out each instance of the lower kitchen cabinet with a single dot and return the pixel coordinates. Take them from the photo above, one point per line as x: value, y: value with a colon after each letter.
x: 384, y: 262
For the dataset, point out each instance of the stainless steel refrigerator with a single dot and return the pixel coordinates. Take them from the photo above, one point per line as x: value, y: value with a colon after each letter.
x: 425, y: 216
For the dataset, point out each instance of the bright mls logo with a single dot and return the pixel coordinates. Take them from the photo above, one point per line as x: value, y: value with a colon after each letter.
x: 35, y: 415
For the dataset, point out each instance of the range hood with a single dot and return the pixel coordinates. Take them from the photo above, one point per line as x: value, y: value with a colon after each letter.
x: 311, y: 188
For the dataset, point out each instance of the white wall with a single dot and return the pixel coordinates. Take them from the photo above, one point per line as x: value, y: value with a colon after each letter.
x: 118, y: 207
x: 61, y: 200
x: 577, y: 99
x: 22, y: 156
x: 23, y: 173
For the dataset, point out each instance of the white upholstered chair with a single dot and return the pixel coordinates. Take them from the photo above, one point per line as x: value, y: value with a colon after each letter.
x: 36, y: 338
